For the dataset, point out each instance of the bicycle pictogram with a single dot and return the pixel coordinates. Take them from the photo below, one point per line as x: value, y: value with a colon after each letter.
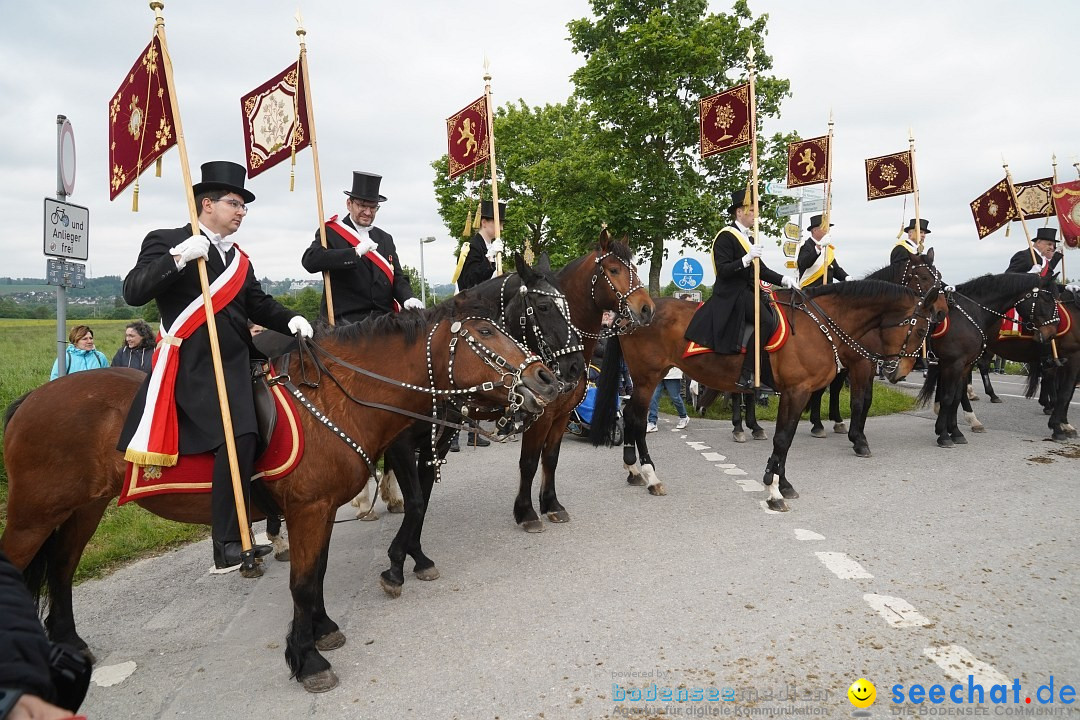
x: 59, y: 217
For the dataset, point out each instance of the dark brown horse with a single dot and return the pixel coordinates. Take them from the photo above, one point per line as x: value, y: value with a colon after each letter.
x: 829, y: 326
x: 59, y: 488
x: 976, y: 309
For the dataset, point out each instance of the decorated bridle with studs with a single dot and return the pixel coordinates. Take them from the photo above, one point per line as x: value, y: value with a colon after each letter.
x: 623, y: 323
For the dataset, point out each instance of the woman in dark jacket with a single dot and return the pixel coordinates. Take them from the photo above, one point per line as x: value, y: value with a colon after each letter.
x: 138, y: 348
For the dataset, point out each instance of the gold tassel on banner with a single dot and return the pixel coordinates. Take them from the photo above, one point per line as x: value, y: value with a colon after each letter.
x: 157, y: 167
x: 292, y: 171
x: 467, y: 232
x: 476, y: 218
x: 1008, y: 227
x: 135, y: 198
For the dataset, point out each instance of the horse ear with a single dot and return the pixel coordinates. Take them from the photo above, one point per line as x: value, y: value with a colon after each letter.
x: 524, y: 269
x: 543, y: 264
x: 930, y: 256
x: 605, y: 239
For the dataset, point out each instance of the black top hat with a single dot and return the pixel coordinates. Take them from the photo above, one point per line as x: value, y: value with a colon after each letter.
x: 815, y: 221
x: 365, y: 186
x: 223, y: 175
x: 1046, y: 233
x: 738, y: 200
x: 924, y: 226
x: 487, y: 212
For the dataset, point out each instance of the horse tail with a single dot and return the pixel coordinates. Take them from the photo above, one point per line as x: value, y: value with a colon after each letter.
x: 604, y: 410
x: 926, y: 394
x: 1034, y: 375
x: 37, y: 572
x: 12, y: 408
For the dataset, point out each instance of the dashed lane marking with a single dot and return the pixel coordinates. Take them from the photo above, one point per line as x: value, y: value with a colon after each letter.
x: 896, y: 611
x: 958, y: 663
x: 842, y: 566
x: 110, y: 675
x: 714, y: 457
x: 804, y: 535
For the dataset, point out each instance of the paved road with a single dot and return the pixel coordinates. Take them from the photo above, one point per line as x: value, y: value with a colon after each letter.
x: 917, y: 566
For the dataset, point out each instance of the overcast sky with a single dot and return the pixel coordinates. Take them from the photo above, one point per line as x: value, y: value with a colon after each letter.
x: 974, y: 80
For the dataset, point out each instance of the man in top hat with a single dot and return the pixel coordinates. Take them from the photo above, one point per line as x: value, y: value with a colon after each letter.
x: 365, y: 276
x: 908, y: 245
x: 478, y: 264
x: 167, y: 272
x: 815, y: 255
x: 1047, y: 255
x: 720, y: 322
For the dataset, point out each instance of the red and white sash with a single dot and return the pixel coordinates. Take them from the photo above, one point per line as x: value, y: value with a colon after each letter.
x: 352, y: 236
x: 156, y: 440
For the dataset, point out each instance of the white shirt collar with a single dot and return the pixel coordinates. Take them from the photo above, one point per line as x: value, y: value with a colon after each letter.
x: 223, y: 245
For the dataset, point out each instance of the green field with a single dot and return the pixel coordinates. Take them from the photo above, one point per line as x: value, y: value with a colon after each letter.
x: 29, y: 349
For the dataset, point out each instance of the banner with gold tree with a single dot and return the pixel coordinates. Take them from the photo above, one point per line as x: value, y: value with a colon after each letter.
x: 276, y: 124
x: 808, y: 162
x: 725, y: 120
x: 889, y: 176
x: 467, y: 137
x: 141, y: 123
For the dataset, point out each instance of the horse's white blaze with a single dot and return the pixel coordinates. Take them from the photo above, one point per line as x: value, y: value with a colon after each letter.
x: 958, y: 663
x: 842, y: 566
x: 896, y: 611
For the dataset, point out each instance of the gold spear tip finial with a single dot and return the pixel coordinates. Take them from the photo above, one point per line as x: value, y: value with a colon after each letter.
x: 300, y: 23
x: 157, y: 6
x: 830, y: 116
x: 487, y: 67
x: 1003, y: 163
x: 750, y: 52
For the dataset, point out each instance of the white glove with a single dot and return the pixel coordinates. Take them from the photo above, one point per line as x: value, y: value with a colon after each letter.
x: 365, y: 246
x: 196, y: 246
x: 826, y: 242
x: 1073, y: 287
x: 494, y: 248
x: 787, y: 281
x: 300, y: 325
x: 413, y: 304
x: 755, y: 252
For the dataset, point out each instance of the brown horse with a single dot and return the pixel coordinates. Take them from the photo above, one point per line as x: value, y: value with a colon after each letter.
x: 59, y: 488
x: 828, y: 324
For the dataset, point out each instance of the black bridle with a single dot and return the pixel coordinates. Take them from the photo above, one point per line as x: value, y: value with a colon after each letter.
x: 1032, y: 295
x: 525, y: 325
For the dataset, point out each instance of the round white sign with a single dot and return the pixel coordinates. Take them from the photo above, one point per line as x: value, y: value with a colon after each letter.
x: 67, y: 157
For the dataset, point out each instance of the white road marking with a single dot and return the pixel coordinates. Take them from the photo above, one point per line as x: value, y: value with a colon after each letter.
x: 958, y: 663
x: 801, y: 534
x: 714, y: 457
x: 735, y: 471
x: 896, y: 611
x: 698, y: 445
x: 749, y: 484
x: 842, y: 566
x: 110, y: 675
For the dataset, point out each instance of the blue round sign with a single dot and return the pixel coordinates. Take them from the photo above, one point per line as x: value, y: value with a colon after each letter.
x: 687, y: 273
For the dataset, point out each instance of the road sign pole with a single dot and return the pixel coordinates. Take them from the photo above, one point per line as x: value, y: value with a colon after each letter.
x: 61, y: 291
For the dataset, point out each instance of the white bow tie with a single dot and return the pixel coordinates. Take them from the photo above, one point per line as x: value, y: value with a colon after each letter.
x: 222, y: 244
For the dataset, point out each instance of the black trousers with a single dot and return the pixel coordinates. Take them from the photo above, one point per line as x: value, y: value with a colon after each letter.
x: 225, y: 527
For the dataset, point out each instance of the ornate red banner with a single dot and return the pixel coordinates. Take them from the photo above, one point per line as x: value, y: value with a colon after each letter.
x: 275, y: 120
x: 808, y: 162
x: 993, y: 209
x: 467, y: 137
x: 1067, y: 205
x: 725, y: 120
x: 889, y: 176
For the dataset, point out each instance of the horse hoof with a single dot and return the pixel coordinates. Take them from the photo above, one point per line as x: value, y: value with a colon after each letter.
x: 1071, y: 433
x: 978, y: 428
x: 739, y: 437
x: 255, y: 570
x: 320, y: 682
x: 863, y: 452
x: 368, y: 516
x: 760, y: 435
x: 397, y: 508
x: 994, y: 399
x: 1046, y: 410
x: 818, y: 432
x: 777, y: 505
x: 945, y: 442
x: 657, y: 489
x: 390, y: 588
x: 89, y: 655
x: 282, y: 555
x: 636, y: 480
x: 840, y: 428
x: 959, y: 440
x: 559, y: 516
x: 430, y: 573
x: 532, y: 526
x: 330, y: 641
x: 789, y: 493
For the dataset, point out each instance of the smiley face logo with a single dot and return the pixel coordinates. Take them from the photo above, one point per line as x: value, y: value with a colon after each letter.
x: 862, y: 693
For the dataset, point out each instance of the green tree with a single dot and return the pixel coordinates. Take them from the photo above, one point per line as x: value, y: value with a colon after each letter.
x: 646, y: 67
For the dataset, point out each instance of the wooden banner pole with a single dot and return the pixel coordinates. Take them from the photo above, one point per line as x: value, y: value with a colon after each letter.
x: 491, y: 158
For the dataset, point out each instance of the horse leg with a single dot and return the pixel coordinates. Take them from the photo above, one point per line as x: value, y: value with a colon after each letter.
x: 531, y: 447
x: 328, y: 635
x: 816, y: 428
x: 634, y: 417
x: 787, y: 422
x: 862, y: 396
x: 737, y: 432
x: 834, y: 403
x: 950, y: 388
x: 364, y: 502
x: 1065, y: 380
x: 988, y: 388
x: 549, y: 461
x: 390, y: 492
x: 423, y: 566
x: 969, y: 415
x: 400, y: 458
x: 311, y: 524
x: 756, y: 431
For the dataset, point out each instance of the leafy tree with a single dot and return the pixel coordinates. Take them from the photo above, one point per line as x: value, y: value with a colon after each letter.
x: 646, y: 67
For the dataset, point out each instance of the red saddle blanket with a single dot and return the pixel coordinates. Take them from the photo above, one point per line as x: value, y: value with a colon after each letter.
x: 192, y: 473
x: 776, y: 340
x: 1012, y: 328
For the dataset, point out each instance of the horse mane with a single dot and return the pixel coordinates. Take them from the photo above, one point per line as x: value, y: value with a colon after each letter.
x: 999, y: 285
x: 621, y: 250
x: 12, y: 408
x: 868, y: 289
x: 410, y: 324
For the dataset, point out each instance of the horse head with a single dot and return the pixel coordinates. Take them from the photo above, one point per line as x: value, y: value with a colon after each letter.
x: 621, y: 290
x: 908, y: 332
x: 1039, y: 310
x: 537, y: 314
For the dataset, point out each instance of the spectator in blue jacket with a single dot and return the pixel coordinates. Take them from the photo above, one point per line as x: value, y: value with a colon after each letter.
x: 81, y: 354
x: 138, y: 348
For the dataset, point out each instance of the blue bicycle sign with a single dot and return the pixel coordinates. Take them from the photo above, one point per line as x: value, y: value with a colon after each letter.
x: 687, y: 273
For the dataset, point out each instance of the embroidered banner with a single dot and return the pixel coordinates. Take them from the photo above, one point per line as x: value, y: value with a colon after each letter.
x: 889, y: 176
x: 1067, y: 206
x: 993, y: 209
x: 275, y: 120
x: 467, y: 137
x: 725, y: 120
x: 808, y: 162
